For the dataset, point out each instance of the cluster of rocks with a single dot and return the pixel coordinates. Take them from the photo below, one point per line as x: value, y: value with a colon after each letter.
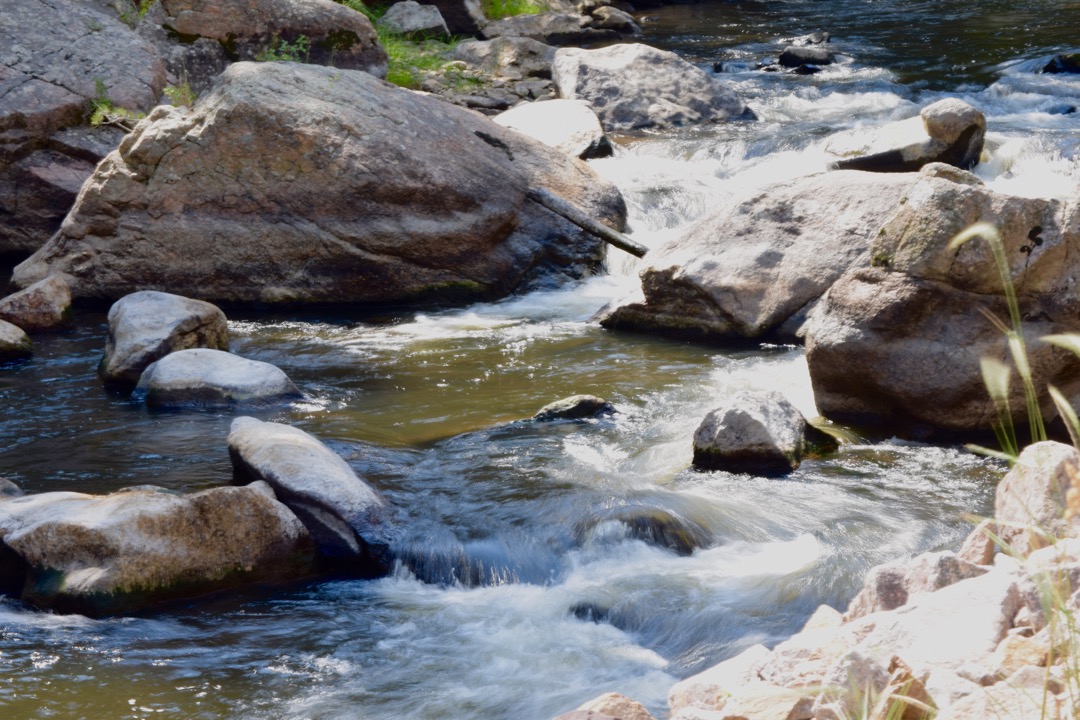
x: 972, y: 634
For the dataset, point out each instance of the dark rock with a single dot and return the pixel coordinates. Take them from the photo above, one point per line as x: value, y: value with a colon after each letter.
x: 146, y: 326
x: 212, y: 379
x: 793, y: 57
x: 463, y: 17
x: 576, y: 407
x: 653, y: 526
x: 350, y: 521
x: 9, y: 489
x: 1063, y: 64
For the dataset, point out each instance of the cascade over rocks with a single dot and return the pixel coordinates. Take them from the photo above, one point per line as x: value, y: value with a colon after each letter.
x: 757, y: 432
x: 53, y: 54
x: 752, y: 268
x: 148, y: 325
x: 897, y: 345
x: 45, y: 305
x: 212, y: 379
x: 120, y: 553
x: 634, y: 86
x: 348, y: 519
x: 300, y: 206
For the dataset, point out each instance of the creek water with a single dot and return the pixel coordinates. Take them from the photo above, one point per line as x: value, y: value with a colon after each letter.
x: 541, y: 590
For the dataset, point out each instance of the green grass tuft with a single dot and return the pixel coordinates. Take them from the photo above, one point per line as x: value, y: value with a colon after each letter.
x: 498, y: 9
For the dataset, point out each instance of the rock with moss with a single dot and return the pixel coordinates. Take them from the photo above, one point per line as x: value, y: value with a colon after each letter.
x: 56, y: 58
x: 757, y: 432
x: 301, y: 210
x: 634, y: 86
x: 125, y: 552
x: 351, y: 522
x: 45, y: 305
x: 14, y: 343
x: 754, y: 267
x: 146, y: 326
x: 206, y: 378
x: 897, y: 343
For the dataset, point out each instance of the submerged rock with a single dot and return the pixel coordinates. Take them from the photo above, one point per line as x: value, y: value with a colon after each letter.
x: 301, y: 207
x: 757, y: 432
x: 350, y: 521
x: 897, y: 345
x: 749, y: 268
x: 122, y: 553
x: 633, y: 86
x: 575, y: 407
x: 956, y: 133
x: 653, y: 526
x: 56, y: 57
x: 148, y: 325
x: 14, y: 343
x: 212, y: 379
x: 1063, y: 64
x: 45, y: 305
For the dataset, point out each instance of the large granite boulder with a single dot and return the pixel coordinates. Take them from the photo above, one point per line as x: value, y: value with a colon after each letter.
x: 758, y: 432
x: 329, y: 33
x: 752, y: 268
x: 14, y: 343
x: 327, y: 186
x: 212, y: 379
x: 633, y: 86
x: 56, y: 56
x: 120, y: 553
x: 45, y: 305
x: 948, y: 131
x: 1031, y: 504
x: 567, y: 125
x: 148, y: 325
x: 897, y: 343
x: 350, y: 521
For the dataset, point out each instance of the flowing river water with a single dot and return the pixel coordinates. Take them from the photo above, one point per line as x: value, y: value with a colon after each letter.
x: 546, y: 593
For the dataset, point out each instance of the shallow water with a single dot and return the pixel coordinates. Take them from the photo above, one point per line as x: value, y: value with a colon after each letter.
x: 542, y: 594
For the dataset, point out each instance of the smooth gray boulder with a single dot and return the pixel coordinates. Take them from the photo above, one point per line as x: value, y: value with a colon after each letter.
x: 328, y: 33
x: 952, y: 132
x: 146, y: 326
x: 896, y: 344
x: 751, y: 268
x: 45, y: 305
x: 213, y: 379
x: 14, y: 343
x: 757, y: 432
x: 633, y: 86
x: 413, y: 20
x: 302, y: 208
x: 350, y: 521
x: 125, y: 552
x: 56, y: 56
x: 567, y: 125
x: 575, y: 407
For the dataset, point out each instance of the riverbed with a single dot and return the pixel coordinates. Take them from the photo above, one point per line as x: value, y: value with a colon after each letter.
x: 530, y: 589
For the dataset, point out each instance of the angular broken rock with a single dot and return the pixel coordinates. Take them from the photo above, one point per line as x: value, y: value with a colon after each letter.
x: 889, y: 586
x: 350, y: 521
x: 45, y: 305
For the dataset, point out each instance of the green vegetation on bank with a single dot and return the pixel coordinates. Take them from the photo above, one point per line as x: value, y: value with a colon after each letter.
x: 499, y: 9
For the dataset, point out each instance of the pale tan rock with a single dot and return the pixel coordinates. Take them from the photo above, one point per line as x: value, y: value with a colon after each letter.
x: 889, y: 586
x: 710, y: 688
x: 1017, y: 651
x: 825, y: 617
x: 1030, y: 500
x: 45, y: 305
x: 617, y: 706
x: 979, y: 546
x: 762, y: 701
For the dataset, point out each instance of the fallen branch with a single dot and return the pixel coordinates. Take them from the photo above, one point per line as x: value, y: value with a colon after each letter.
x: 576, y: 215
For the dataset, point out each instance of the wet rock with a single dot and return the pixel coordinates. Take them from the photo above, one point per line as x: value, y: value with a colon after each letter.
x: 1063, y: 64
x: 890, y: 586
x: 607, y: 17
x: 609, y: 705
x: 212, y: 379
x: 505, y: 56
x: 45, y: 305
x: 121, y: 553
x: 898, y: 345
x: 653, y: 526
x: 795, y: 57
x: 14, y: 343
x: 755, y: 263
x: 549, y: 28
x: 759, y: 433
x: 148, y: 325
x: 349, y: 520
x: 334, y: 34
x: 9, y: 489
x: 415, y: 21
x: 56, y: 56
x: 271, y: 227
x: 633, y: 86
x: 567, y: 125
x: 575, y: 407
x: 956, y: 133
x: 1031, y: 504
